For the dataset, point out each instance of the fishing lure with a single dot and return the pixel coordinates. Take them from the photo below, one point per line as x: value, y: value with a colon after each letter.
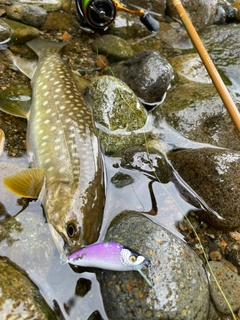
x: 109, y: 256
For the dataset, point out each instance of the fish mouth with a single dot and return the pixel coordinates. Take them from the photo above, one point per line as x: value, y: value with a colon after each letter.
x: 64, y: 243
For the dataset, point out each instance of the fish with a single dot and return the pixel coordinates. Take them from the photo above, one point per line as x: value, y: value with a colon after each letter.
x: 65, y: 161
x: 109, y: 256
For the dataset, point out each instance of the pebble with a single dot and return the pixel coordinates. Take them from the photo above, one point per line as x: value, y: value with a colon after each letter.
x: 180, y: 285
x: 230, y: 285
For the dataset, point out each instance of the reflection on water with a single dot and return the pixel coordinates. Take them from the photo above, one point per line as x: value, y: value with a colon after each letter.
x: 131, y: 185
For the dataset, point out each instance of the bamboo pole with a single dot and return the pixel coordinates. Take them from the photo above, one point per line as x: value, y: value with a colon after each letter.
x: 207, y: 61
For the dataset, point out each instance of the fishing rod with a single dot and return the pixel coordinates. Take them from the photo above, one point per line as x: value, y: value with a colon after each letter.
x: 98, y: 15
x: 207, y: 61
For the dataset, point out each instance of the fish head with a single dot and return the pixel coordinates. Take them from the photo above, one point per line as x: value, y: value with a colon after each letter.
x: 65, y: 217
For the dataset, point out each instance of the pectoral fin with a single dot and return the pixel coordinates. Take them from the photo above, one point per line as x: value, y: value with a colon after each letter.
x: 27, y: 183
x: 16, y: 100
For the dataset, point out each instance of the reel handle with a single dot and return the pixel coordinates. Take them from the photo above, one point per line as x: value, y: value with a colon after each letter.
x: 150, y: 23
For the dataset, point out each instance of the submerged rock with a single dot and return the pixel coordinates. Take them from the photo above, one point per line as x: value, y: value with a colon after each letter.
x: 214, y: 175
x: 180, y: 285
x: 120, y: 117
x: 20, y: 297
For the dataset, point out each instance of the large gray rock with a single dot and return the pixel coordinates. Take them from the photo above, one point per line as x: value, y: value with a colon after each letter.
x: 180, y: 285
x: 20, y: 298
x: 29, y: 14
x: 197, y: 112
x: 201, y: 12
x: 120, y: 117
x: 147, y: 73
x: 214, y: 175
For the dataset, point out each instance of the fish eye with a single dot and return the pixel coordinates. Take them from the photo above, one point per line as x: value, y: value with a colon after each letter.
x: 132, y: 258
x: 72, y: 230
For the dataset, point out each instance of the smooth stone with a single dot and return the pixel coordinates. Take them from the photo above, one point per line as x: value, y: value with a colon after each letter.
x: 5, y: 32
x: 147, y: 73
x: 197, y: 112
x: 48, y: 5
x: 21, y: 32
x: 115, y: 48
x: 28, y: 14
x: 120, y: 118
x: 189, y: 67
x: 214, y: 175
x: 180, y: 284
x: 229, y: 282
x: 201, y: 13
x: 20, y: 297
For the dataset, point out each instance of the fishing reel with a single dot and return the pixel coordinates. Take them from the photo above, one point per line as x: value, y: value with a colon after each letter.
x: 99, y: 14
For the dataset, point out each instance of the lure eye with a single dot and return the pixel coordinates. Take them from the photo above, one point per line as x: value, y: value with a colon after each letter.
x: 72, y: 230
x: 132, y: 258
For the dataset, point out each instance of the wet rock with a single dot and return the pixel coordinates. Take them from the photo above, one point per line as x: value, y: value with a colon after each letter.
x: 20, y: 297
x: 158, y: 6
x: 146, y: 160
x: 48, y: 5
x: 218, y: 40
x: 214, y: 175
x: 201, y: 13
x: 147, y: 73
x: 180, y: 286
x: 236, y: 5
x: 21, y: 32
x: 29, y: 14
x: 115, y: 48
x: 189, y: 67
x: 5, y: 32
x: 229, y: 283
x: 197, y: 112
x: 120, y: 118
x: 60, y: 21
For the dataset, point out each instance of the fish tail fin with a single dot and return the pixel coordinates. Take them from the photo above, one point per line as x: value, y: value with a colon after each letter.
x: 40, y: 46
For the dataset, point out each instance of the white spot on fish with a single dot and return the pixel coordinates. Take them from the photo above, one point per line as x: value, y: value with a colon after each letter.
x: 46, y: 121
x: 53, y: 128
x: 50, y: 169
x: 57, y: 147
x: 61, y: 170
x: 67, y: 120
x: 43, y: 144
x: 45, y: 102
x: 62, y: 107
x: 62, y: 157
x: 45, y: 137
x: 47, y: 160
